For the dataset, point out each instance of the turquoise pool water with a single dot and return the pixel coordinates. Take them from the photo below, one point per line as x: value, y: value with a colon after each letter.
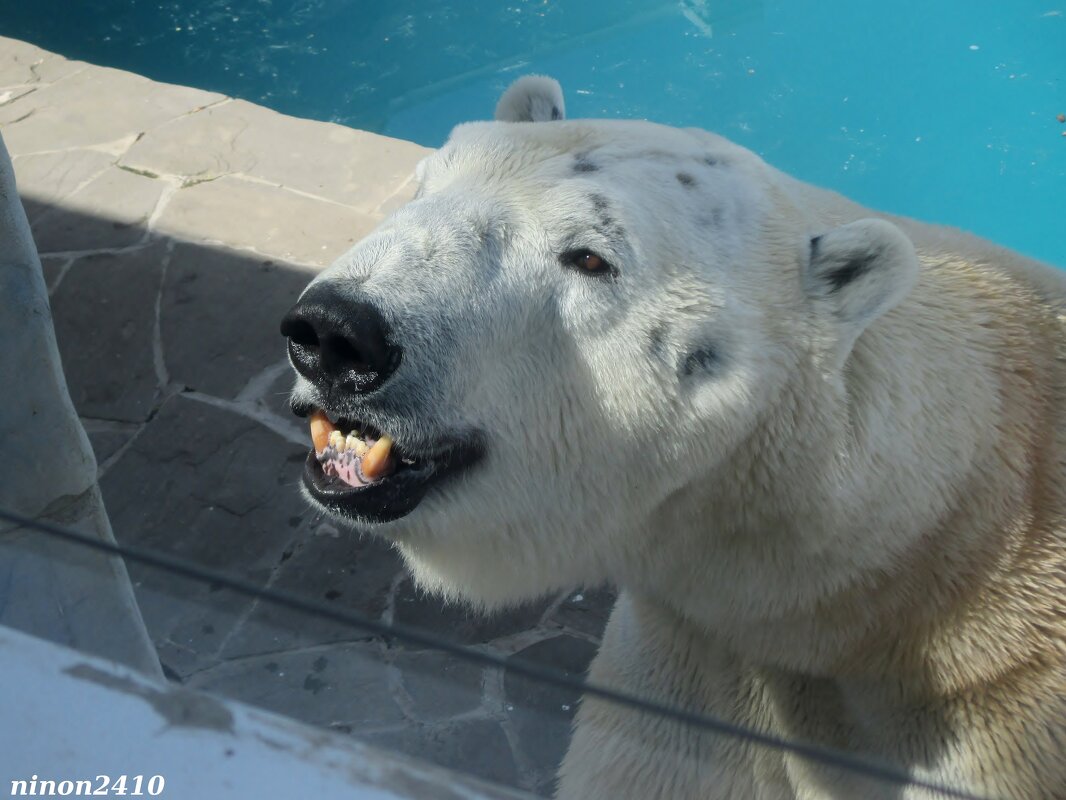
x: 945, y: 111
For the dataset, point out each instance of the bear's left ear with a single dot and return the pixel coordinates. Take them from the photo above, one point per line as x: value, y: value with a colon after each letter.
x: 532, y: 98
x: 860, y: 271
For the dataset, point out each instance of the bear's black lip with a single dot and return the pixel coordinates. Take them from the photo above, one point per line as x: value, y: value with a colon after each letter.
x: 395, y: 495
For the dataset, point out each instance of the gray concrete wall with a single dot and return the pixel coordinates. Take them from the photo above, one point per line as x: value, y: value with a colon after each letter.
x: 48, y: 472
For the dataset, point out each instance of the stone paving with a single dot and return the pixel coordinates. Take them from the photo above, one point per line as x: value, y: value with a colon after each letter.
x: 175, y: 227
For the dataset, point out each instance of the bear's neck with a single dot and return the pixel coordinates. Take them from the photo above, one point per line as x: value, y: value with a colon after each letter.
x: 862, y: 512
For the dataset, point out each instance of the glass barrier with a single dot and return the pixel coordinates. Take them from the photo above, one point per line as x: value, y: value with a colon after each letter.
x: 335, y: 635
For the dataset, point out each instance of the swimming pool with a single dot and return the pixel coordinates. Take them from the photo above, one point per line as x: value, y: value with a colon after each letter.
x: 941, y: 111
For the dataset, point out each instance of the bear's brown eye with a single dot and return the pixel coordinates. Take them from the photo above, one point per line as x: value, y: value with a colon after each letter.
x: 588, y: 262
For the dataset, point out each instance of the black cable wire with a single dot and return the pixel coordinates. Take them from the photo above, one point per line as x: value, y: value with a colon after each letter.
x: 822, y: 755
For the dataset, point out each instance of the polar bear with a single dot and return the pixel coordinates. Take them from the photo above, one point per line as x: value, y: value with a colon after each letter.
x: 819, y: 449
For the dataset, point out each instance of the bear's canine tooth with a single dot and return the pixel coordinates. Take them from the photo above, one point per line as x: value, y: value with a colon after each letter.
x: 376, y: 462
x: 321, y: 428
x: 336, y: 438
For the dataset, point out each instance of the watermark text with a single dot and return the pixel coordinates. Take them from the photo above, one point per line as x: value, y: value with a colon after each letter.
x: 99, y: 786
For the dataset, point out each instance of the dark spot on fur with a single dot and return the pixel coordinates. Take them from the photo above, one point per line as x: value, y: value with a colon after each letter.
x: 710, y: 161
x: 582, y: 164
x: 711, y: 220
x: 705, y: 359
x: 606, y: 225
x: 686, y: 180
x: 556, y: 113
x: 602, y: 207
x: 657, y: 341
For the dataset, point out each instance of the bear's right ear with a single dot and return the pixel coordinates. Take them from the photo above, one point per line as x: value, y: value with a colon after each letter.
x: 860, y: 271
x: 532, y: 98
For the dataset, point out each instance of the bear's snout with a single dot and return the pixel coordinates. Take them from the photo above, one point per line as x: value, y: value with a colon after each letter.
x: 337, y: 341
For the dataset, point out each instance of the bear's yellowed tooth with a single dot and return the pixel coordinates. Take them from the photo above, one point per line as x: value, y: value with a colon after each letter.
x: 376, y: 463
x: 321, y: 428
x: 358, y: 445
x: 336, y: 438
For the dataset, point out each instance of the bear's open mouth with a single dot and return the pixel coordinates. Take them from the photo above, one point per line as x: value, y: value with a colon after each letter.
x: 356, y: 470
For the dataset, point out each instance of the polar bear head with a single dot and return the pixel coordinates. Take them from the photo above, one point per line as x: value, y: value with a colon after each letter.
x: 574, y: 331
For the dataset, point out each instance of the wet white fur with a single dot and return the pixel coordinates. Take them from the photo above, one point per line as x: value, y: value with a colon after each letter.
x: 847, y: 528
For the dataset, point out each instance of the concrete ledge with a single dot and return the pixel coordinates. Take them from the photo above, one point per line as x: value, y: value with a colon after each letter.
x: 108, y: 142
x: 201, y: 746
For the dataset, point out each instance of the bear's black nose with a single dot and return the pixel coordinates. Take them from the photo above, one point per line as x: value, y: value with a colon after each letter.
x: 339, y: 342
